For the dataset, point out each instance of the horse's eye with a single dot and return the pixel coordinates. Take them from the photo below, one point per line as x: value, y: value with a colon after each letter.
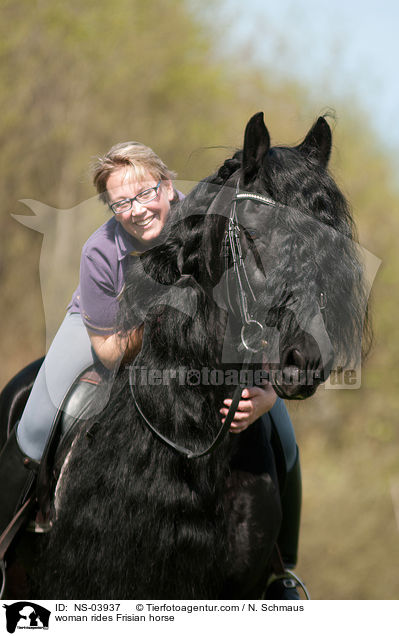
x: 323, y: 300
x: 252, y: 233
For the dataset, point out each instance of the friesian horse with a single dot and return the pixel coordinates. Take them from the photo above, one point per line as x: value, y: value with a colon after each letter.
x: 256, y: 278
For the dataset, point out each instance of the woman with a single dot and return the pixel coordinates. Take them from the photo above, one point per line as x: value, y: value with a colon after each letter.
x: 137, y: 186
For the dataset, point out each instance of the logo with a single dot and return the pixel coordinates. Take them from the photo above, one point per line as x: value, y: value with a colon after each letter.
x: 26, y: 615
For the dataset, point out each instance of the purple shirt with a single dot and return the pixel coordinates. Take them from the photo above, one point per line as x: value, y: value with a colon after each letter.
x: 102, y: 276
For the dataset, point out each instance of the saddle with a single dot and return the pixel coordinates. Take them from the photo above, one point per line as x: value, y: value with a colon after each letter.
x: 74, y: 413
x: 76, y: 410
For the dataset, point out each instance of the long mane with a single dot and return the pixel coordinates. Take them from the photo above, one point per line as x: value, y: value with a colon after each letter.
x: 319, y: 234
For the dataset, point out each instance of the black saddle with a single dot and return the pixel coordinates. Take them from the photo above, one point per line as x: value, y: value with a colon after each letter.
x: 74, y: 412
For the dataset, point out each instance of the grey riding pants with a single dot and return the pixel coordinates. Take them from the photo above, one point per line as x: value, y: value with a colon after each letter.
x: 68, y: 356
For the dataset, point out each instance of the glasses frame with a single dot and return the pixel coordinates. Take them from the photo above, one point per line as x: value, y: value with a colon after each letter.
x: 136, y: 198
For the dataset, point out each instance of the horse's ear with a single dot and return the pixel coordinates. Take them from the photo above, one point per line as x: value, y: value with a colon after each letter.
x: 318, y: 142
x: 256, y: 145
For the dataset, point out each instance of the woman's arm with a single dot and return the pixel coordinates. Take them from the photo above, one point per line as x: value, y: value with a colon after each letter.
x: 114, y: 349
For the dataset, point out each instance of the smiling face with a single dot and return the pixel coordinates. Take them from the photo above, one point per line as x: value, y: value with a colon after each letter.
x: 144, y: 221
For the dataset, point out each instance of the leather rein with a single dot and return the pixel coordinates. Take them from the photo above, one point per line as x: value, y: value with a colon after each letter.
x: 251, y: 331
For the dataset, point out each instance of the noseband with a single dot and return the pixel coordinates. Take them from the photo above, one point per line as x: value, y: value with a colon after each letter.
x: 251, y: 330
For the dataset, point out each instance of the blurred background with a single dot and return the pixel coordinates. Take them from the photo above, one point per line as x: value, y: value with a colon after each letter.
x: 184, y: 77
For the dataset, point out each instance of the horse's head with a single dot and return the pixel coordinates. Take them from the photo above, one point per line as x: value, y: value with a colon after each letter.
x: 301, y: 277
x: 269, y: 237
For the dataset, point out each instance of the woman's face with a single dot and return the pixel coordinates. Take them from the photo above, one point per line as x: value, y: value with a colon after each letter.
x: 143, y: 221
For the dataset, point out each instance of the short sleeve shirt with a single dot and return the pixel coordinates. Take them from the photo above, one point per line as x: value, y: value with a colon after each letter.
x: 102, y: 274
x: 103, y: 265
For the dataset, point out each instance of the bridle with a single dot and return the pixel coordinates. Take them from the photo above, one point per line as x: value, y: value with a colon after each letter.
x: 251, y: 330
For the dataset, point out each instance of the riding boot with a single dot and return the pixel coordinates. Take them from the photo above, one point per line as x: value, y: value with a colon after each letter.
x: 17, y: 475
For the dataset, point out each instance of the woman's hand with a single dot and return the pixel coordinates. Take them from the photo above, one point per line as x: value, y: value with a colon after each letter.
x: 255, y: 401
x: 133, y: 346
x: 116, y: 349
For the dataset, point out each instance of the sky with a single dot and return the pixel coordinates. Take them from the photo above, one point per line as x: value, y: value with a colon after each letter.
x: 338, y: 48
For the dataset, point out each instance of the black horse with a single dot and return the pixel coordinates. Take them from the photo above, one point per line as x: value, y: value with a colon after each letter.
x: 256, y: 277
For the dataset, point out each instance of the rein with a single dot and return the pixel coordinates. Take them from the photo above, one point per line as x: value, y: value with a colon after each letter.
x: 182, y: 450
x: 251, y: 330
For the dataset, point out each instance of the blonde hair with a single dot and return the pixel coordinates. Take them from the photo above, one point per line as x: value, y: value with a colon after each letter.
x: 136, y: 157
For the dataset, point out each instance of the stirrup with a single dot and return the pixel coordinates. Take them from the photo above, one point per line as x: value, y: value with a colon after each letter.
x: 289, y: 580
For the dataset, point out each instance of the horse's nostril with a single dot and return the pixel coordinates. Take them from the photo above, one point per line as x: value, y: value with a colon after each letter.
x: 296, y: 359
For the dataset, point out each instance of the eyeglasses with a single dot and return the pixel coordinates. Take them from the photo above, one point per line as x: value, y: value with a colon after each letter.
x: 125, y: 205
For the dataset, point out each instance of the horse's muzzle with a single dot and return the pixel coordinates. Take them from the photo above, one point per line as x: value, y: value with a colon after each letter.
x: 300, y: 372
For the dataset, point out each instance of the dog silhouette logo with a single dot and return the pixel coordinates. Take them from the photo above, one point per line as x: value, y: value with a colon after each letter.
x: 26, y: 615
